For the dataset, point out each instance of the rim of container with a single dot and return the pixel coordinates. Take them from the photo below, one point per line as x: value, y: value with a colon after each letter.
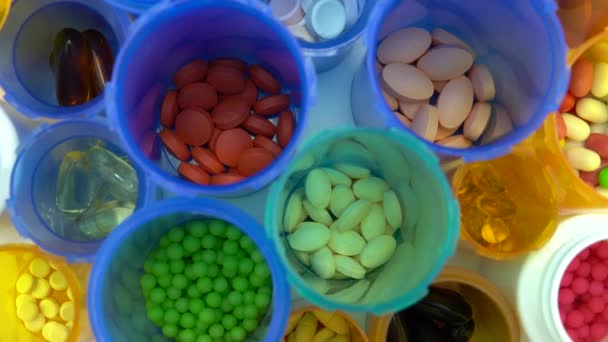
x: 281, y: 297
x: 162, y: 177
x: 558, y: 85
x: 132, y: 6
x: 452, y: 219
x: 344, y: 315
x: 144, y: 186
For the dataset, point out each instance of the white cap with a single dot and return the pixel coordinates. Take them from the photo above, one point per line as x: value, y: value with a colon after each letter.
x: 289, y: 12
x: 8, y: 150
x: 327, y: 19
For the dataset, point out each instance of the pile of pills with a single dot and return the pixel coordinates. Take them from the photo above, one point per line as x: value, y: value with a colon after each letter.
x: 583, y: 295
x: 341, y: 223
x: 206, y: 281
x: 319, y: 326
x: 44, y: 301
x: 582, y: 123
x: 429, y: 81
x: 218, y: 115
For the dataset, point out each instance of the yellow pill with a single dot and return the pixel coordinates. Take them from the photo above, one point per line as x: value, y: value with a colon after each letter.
x: 70, y: 294
x: 306, y: 328
x: 25, y: 283
x: 36, y: 324
x: 66, y: 312
x: 339, y: 338
x: 323, y: 335
x: 40, y: 268
x: 49, y: 307
x: 27, y: 311
x: 55, y: 332
x: 293, y: 320
x: 332, y: 321
x: 58, y: 281
x: 70, y: 324
x: 42, y: 289
x: 24, y: 298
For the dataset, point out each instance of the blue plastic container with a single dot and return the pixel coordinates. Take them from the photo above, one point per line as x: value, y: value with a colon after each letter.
x: 116, y: 303
x: 133, y: 6
x: 521, y: 42
x: 427, y: 237
x: 32, y: 202
x: 172, y: 34
x: 26, y: 42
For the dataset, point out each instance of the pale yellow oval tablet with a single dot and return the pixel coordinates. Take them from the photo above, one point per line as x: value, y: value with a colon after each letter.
x: 378, y: 251
x: 353, y: 215
x: 407, y: 82
x: 456, y: 141
x: 444, y: 63
x: 443, y: 132
x: 583, y: 159
x: 371, y: 189
x: 322, y: 263
x: 42, y: 289
x: 592, y: 110
x: 404, y: 46
x: 318, y: 188
x: 410, y: 108
x: 499, y: 126
x: 27, y: 311
x: 336, y: 177
x: 390, y: 101
x: 392, y: 209
x: 353, y: 171
x: 40, y: 268
x: 455, y: 102
x: 373, y: 224
x: 572, y: 143
x: 308, y: 237
x: 426, y: 122
x: 403, y: 119
x: 483, y: 82
x: 25, y: 283
x: 57, y: 281
x: 443, y: 37
x: 347, y: 243
x: 349, y: 267
x: 600, y: 80
x: 36, y: 324
x: 477, y: 121
x: 317, y: 214
x: 303, y: 257
x: 293, y: 212
x: 576, y: 128
x: 341, y: 197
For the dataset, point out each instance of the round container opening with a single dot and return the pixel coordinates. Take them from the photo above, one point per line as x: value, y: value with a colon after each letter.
x: 328, y: 325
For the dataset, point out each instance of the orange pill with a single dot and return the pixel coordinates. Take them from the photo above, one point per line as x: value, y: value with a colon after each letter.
x: 194, y: 127
x: 174, y: 145
x: 249, y: 94
x: 226, y: 80
x: 169, y: 109
x: 192, y: 72
x: 214, y: 136
x: 271, y: 105
x: 230, y: 113
x: 207, y: 160
x: 264, y: 79
x: 581, y: 79
x: 197, y: 95
x: 236, y: 63
x: 226, y: 179
x: 230, y: 144
x: 254, y: 160
x: 285, y: 128
x: 258, y: 125
x: 267, y: 143
x: 193, y: 173
x: 568, y: 103
x: 561, y: 126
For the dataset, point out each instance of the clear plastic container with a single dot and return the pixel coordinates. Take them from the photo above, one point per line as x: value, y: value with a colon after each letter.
x: 26, y: 42
x: 427, y: 237
x: 32, y: 203
x: 521, y: 42
x: 173, y: 33
x: 116, y: 303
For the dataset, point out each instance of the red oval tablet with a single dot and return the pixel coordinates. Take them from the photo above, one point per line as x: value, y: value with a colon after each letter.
x: 193, y: 173
x: 207, y: 160
x: 249, y: 94
x: 197, y: 95
x: 264, y: 79
x: 271, y: 105
x: 194, y: 127
x: 226, y: 80
x: 267, y: 143
x: 236, y: 63
x: 214, y: 136
x: 258, y: 125
x: 190, y: 73
x: 567, y: 103
x: 169, y: 109
x: 230, y: 144
x: 254, y: 160
x: 285, y: 128
x: 230, y: 113
x: 226, y: 179
x: 174, y: 145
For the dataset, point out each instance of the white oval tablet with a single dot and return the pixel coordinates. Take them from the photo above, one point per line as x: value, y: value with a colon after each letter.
x: 455, y: 102
x: 445, y: 63
x: 404, y: 46
x: 407, y: 82
x: 426, y: 122
x: 483, y: 82
x: 477, y: 121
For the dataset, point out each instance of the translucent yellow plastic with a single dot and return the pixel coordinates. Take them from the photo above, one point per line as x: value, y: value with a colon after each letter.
x: 5, y: 6
x: 582, y: 19
x: 14, y: 260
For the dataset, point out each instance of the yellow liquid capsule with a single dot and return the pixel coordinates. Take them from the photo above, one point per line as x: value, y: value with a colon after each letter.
x: 494, y: 231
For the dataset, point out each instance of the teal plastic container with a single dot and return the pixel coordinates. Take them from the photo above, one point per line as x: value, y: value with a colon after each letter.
x: 426, y: 239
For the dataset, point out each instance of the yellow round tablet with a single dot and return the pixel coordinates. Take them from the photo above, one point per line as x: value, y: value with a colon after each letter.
x: 25, y: 283
x: 27, y: 311
x: 67, y: 311
x: 24, y: 298
x: 70, y: 324
x: 36, y: 324
x: 70, y: 294
x: 55, y: 332
x: 42, y: 289
x: 58, y: 281
x: 49, y: 307
x: 40, y: 268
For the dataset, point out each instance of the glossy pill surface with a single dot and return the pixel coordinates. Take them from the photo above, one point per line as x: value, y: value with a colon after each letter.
x: 226, y: 80
x: 195, y: 71
x: 404, y: 46
x: 194, y: 127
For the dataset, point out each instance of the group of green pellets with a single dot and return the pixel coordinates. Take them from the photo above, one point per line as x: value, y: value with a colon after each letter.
x: 206, y: 281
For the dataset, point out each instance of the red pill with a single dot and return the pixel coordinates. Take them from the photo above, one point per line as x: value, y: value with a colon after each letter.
x: 194, y: 127
x: 588, y: 315
x: 214, y: 136
x: 197, y: 95
x: 226, y: 80
x: 583, y: 270
x: 230, y: 113
x: 561, y: 126
x: 596, y: 288
x: 598, y: 143
x: 267, y: 143
x: 585, y: 254
x: 599, y: 272
x: 596, y: 305
x: 580, y: 285
x: 254, y: 160
x: 169, y: 109
x: 271, y: 105
x: 598, y: 330
x: 193, y: 173
x: 566, y: 279
x: 192, y: 72
x: 575, y: 319
x: 236, y: 63
x: 581, y: 79
x: 207, y: 160
x: 226, y: 179
x: 230, y: 144
x: 174, y: 145
x: 258, y: 125
x: 584, y: 331
x: 249, y: 94
x: 567, y: 103
x: 264, y: 79
x: 285, y: 128
x: 573, y: 334
x: 566, y: 297
x: 602, y: 250
x: 574, y: 264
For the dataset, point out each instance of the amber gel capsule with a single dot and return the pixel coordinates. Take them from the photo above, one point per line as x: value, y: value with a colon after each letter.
x: 71, y: 62
x: 102, y: 60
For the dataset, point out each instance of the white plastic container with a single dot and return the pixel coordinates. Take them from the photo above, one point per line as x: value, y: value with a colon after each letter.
x: 532, y: 282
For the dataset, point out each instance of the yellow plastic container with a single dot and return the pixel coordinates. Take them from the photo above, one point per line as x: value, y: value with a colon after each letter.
x: 582, y: 19
x: 495, y: 319
x: 356, y: 333
x: 5, y: 6
x: 14, y: 258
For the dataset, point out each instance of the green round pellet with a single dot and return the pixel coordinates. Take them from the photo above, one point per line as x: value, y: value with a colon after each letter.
x: 189, y: 272
x: 202, y: 326
x: 229, y: 322
x: 159, y: 268
x: 155, y: 314
x: 186, y: 335
x: 240, y: 283
x: 164, y: 280
x: 226, y: 306
x: 168, y: 305
x: 250, y: 325
x: 209, y: 257
x: 181, y: 305
x: 174, y: 293
x: 205, y: 285
x: 231, y: 262
x: 603, y: 178
x: 188, y: 320
x: 199, y: 269
x: 170, y: 330
x: 148, y: 282
x: 213, y: 299
x: 216, y: 331
x: 238, y: 334
x: 246, y: 243
x: 230, y: 247
x: 233, y: 233
x: 209, y: 241
x: 217, y: 228
x: 207, y: 316
x: 262, y: 270
x: 197, y: 228
x: 193, y: 291
x: 221, y: 285
x: 198, y: 256
x: 160, y: 255
x: 204, y: 338
x: 164, y: 241
x: 180, y: 281
x: 266, y: 289
x: 149, y: 265
x: 176, y: 234
x: 177, y: 266
x: 191, y: 244
x: 250, y: 311
x: 175, y: 251
x: 256, y: 281
x: 157, y: 295
x: 235, y: 298
x: 248, y: 297
x: 213, y: 271
x: 257, y: 256
x: 238, y: 312
x: 246, y: 267
x: 262, y: 300
x: 196, y: 305
x: 171, y: 317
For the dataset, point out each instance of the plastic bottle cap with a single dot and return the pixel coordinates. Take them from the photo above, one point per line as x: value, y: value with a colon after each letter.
x: 289, y: 12
x: 327, y: 18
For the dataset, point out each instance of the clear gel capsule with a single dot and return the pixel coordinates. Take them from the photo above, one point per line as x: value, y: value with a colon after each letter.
x: 76, y: 189
x: 97, y: 224
x: 119, y: 177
